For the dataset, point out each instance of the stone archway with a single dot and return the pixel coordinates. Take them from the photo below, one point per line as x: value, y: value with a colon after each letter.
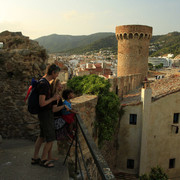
x: 1, y: 45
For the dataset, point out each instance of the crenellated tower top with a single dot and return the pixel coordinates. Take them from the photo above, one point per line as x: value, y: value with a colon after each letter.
x: 133, y: 32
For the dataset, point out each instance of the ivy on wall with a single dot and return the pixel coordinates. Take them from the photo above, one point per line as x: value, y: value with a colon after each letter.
x: 108, y: 105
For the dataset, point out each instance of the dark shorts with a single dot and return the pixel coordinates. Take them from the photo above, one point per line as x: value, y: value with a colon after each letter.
x: 47, y: 129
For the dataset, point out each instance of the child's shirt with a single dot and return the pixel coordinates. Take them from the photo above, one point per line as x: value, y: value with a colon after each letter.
x: 64, y: 111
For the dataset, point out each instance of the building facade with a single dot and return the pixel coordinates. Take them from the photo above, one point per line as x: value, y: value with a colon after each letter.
x: 149, y: 132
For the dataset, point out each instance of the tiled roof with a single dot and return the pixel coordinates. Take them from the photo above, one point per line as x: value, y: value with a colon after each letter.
x: 160, y: 88
x: 97, y: 65
x: 133, y: 98
x: 154, y: 73
x: 165, y: 86
x: 177, y: 57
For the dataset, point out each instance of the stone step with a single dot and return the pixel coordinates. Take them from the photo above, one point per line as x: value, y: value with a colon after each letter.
x: 15, y: 162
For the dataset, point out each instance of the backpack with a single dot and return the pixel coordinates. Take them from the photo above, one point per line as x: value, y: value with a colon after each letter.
x: 33, y: 97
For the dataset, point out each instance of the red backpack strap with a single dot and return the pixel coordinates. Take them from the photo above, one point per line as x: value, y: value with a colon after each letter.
x: 28, y: 92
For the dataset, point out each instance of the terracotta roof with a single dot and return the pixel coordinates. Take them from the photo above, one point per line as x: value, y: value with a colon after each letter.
x: 177, y: 57
x: 97, y: 65
x: 165, y: 86
x: 61, y: 65
x: 154, y: 73
x: 133, y: 98
x: 160, y: 88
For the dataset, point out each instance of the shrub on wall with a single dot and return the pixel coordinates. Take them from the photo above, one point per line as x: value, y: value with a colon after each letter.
x: 76, y: 84
x: 108, y: 104
x: 107, y: 111
x: 156, y: 173
x: 91, y: 84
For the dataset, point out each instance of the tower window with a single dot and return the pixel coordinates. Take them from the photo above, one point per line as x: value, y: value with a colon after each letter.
x: 136, y: 35
x: 121, y: 37
x: 133, y: 119
x: 172, y: 163
x: 125, y: 36
x: 130, y: 164
x: 130, y: 36
x: 176, y: 118
x: 141, y: 36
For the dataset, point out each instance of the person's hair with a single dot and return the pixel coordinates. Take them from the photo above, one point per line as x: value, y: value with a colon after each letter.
x: 51, y: 68
x: 66, y: 93
x: 54, y: 85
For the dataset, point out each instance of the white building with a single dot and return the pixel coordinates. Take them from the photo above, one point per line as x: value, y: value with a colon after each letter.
x: 157, y: 61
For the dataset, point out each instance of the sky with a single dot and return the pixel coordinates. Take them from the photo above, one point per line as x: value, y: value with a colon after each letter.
x: 36, y: 18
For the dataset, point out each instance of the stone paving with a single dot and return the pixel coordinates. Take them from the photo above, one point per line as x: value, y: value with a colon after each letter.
x: 15, y: 162
x: 125, y: 176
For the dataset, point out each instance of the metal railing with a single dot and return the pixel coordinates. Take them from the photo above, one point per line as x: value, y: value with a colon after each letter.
x: 101, y: 164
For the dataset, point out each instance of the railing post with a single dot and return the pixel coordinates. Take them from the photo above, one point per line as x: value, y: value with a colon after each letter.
x: 76, y: 146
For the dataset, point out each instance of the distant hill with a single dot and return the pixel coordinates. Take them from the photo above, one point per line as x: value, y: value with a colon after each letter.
x: 109, y: 42
x: 58, y: 43
x: 159, y: 45
x: 165, y: 44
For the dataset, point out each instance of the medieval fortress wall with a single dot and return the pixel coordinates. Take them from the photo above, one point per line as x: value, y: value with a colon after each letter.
x: 20, y: 60
x: 124, y: 84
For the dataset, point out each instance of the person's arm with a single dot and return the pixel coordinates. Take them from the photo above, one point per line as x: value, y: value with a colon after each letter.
x: 70, y: 108
x: 73, y: 111
x: 57, y: 108
x: 43, y: 102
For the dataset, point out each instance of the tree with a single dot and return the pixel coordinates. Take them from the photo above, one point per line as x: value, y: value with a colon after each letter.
x: 108, y: 105
x: 150, y: 66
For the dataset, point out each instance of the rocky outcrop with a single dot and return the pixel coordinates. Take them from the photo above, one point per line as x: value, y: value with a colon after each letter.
x: 20, y: 60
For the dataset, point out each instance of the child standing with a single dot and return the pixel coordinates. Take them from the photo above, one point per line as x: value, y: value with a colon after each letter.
x: 68, y: 113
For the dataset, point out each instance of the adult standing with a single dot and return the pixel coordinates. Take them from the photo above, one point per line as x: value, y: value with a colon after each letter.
x: 46, y: 118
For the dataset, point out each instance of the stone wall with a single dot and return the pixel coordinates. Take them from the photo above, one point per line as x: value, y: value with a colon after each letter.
x: 20, y: 60
x: 124, y: 84
x: 85, y: 106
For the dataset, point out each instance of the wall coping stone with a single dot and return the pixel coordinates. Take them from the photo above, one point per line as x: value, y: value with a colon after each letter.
x: 83, y: 98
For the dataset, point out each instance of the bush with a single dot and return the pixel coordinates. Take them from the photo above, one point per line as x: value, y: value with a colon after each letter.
x: 91, y: 84
x: 108, y: 104
x: 150, y: 66
x: 107, y: 110
x: 155, y: 174
x: 76, y: 84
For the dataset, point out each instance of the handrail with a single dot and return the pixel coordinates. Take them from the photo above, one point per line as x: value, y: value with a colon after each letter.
x: 104, y: 170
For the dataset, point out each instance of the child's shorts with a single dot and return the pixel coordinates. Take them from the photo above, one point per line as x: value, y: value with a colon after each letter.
x: 69, y: 118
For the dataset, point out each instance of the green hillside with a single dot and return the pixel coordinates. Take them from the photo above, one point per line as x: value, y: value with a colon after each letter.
x: 159, y: 45
x: 109, y: 42
x: 58, y: 43
x: 164, y: 44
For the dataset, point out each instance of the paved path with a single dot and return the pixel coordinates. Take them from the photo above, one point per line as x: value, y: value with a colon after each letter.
x: 15, y: 163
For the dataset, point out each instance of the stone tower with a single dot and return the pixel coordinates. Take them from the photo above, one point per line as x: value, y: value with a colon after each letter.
x: 133, y: 49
